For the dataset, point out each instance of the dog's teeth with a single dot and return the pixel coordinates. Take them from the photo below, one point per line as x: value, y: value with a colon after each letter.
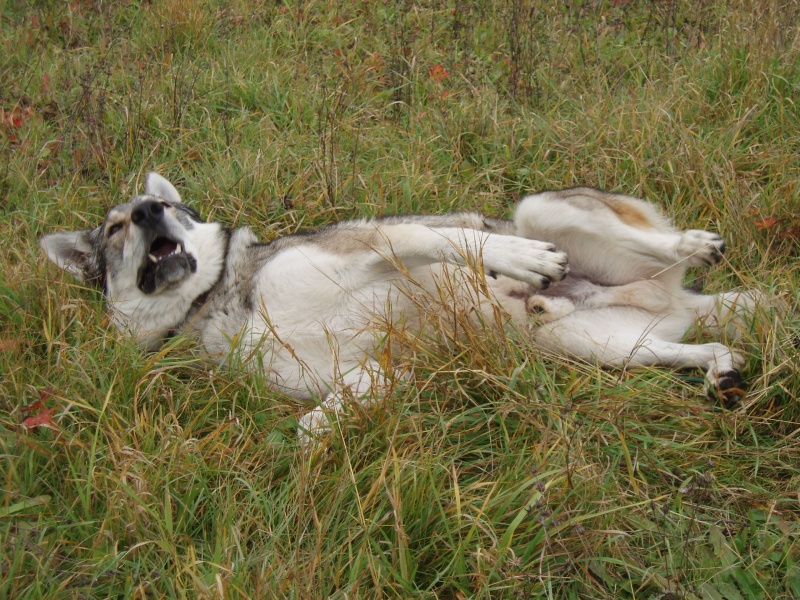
x: 178, y: 249
x: 152, y: 258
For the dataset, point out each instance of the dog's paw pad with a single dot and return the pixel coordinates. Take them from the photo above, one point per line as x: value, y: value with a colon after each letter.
x: 535, y: 305
x: 545, y: 310
x: 726, y: 387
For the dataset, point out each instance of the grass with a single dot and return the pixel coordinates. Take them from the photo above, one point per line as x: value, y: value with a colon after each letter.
x: 498, y: 473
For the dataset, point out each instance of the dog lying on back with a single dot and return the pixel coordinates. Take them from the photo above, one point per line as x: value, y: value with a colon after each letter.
x: 310, y: 306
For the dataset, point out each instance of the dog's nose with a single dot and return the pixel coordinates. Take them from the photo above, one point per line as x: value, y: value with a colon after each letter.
x: 148, y: 212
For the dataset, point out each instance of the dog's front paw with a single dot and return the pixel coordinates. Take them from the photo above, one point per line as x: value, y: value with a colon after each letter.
x: 314, y: 425
x: 700, y: 248
x: 536, y: 263
x: 725, y: 386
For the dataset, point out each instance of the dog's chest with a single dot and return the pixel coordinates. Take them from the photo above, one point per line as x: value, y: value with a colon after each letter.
x: 308, y: 288
x: 303, y: 297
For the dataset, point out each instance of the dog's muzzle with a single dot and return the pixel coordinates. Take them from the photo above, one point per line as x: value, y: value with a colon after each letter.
x: 167, y: 262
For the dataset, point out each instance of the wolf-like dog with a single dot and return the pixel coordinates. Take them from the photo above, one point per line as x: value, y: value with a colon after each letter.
x: 583, y: 273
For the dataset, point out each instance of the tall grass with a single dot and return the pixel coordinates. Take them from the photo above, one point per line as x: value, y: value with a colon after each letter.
x: 497, y: 472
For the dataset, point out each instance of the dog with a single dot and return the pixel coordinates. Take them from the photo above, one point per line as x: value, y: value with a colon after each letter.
x: 310, y: 307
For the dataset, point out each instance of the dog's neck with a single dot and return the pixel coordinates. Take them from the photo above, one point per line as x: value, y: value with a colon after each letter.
x: 201, y: 300
x: 183, y: 307
x: 195, y: 308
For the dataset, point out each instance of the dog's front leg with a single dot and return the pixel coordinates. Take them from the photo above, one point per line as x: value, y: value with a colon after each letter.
x: 360, y: 383
x: 537, y: 263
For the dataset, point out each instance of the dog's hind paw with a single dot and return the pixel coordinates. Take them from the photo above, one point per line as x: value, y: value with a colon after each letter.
x: 726, y: 387
x: 545, y: 310
x: 701, y: 248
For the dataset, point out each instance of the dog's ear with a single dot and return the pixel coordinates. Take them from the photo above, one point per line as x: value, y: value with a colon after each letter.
x: 156, y: 185
x: 74, y: 252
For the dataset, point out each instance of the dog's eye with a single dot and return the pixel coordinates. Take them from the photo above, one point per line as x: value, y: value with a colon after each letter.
x: 114, y: 229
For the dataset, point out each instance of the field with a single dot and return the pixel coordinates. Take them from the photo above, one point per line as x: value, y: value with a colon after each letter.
x: 498, y: 472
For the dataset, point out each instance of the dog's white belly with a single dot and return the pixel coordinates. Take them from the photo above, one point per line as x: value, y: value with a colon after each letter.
x: 320, y: 315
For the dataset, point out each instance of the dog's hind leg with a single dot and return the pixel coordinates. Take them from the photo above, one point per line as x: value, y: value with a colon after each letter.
x: 614, y: 239
x: 636, y: 339
x: 728, y: 312
x: 723, y: 379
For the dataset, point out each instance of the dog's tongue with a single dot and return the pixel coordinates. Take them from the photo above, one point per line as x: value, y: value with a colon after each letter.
x: 162, y: 246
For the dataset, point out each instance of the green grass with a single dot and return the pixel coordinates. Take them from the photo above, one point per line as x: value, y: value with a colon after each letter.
x: 497, y: 473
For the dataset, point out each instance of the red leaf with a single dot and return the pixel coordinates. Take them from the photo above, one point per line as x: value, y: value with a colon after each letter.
x: 40, y: 419
x: 39, y: 414
x: 15, y: 118
x: 767, y: 223
x: 9, y: 345
x: 43, y: 395
x: 438, y: 73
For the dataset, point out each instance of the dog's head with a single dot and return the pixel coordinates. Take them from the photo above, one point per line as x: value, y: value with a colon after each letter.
x: 152, y: 256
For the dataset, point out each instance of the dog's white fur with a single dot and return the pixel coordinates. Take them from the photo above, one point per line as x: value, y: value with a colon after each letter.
x: 310, y: 307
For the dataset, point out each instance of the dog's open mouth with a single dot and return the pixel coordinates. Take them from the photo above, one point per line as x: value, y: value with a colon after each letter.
x: 162, y: 248
x: 167, y: 264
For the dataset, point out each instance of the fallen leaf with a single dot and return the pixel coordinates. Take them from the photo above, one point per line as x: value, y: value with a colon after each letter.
x: 40, y: 419
x: 437, y: 72
x: 9, y: 345
x: 767, y: 223
x: 77, y: 157
x: 15, y: 118
x: 39, y: 413
x: 43, y: 395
